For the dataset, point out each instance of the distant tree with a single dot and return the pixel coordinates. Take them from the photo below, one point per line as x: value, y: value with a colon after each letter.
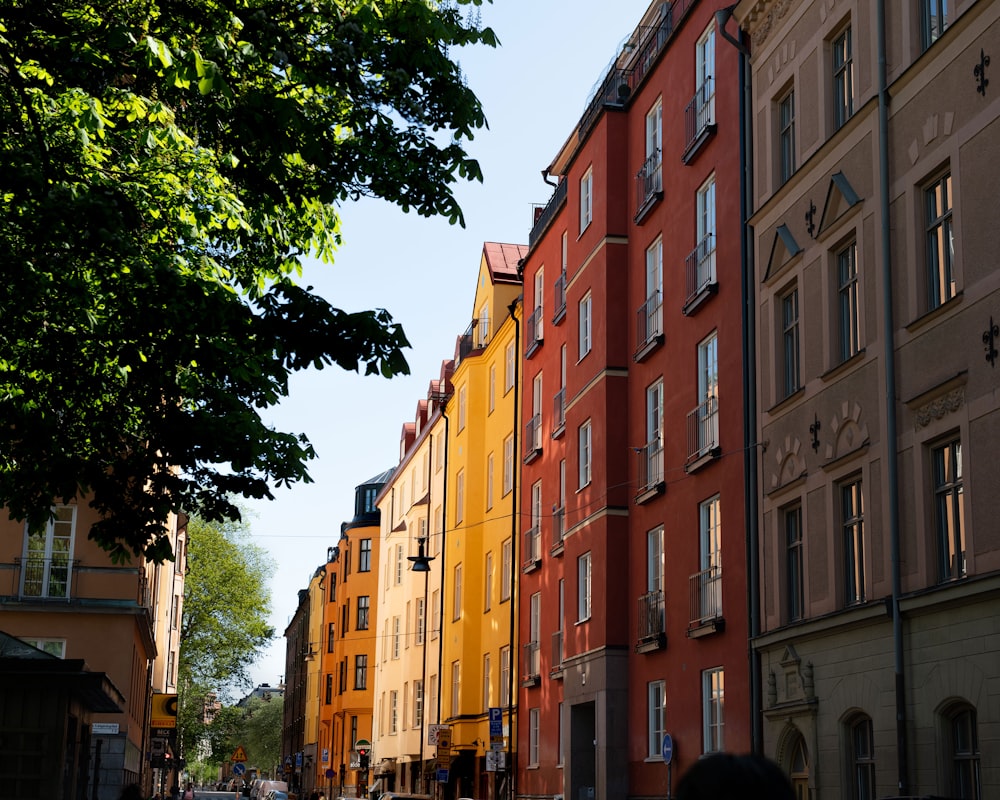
x: 165, y: 166
x: 261, y: 732
x: 224, y: 621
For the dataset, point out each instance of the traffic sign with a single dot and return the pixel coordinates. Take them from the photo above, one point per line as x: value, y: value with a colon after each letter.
x: 363, y: 746
x: 239, y: 769
x: 240, y: 754
x: 667, y: 750
x: 330, y: 773
x: 496, y: 729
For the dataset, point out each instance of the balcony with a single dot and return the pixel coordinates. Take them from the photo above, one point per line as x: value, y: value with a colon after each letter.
x: 699, y: 119
x: 533, y: 438
x: 558, y: 529
x: 559, y: 413
x: 466, y: 343
x: 699, y: 267
x: 648, y: 185
x: 533, y: 332
x: 651, y: 481
x: 556, y: 670
x: 543, y: 216
x: 652, y: 622
x: 706, y: 603
x: 649, y: 326
x: 560, y: 294
x: 480, y: 333
x: 532, y: 665
x: 532, y: 548
x: 703, y: 434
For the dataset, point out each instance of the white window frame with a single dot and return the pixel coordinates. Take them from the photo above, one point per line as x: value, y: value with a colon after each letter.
x: 586, y: 199
x: 583, y: 591
x: 456, y: 609
x: 584, y: 454
x: 585, y: 326
x: 534, y: 719
x: 713, y: 685
x: 508, y: 465
x: 55, y: 553
x: 506, y: 569
x: 656, y: 697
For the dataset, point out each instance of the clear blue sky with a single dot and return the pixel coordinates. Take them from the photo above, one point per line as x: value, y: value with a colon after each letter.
x: 534, y: 88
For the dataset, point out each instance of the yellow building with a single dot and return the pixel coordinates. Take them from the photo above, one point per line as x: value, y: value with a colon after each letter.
x: 477, y: 561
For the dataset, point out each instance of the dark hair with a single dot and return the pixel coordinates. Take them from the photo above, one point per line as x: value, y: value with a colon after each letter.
x: 131, y: 792
x: 724, y: 776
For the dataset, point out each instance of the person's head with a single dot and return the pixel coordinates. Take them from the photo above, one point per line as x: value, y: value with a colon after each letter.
x: 724, y: 776
x: 131, y: 792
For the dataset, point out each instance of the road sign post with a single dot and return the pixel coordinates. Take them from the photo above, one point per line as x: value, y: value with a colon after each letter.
x: 667, y: 751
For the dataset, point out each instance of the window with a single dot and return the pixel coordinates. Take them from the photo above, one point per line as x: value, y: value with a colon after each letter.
x: 393, y: 711
x: 538, y: 313
x: 657, y: 704
x: 345, y: 615
x: 713, y: 706
x: 843, y: 79
x: 506, y: 569
x: 949, y: 516
x: 398, y: 571
x: 585, y: 308
x: 505, y: 675
x: 792, y: 522
x: 650, y: 177
x: 586, y: 199
x: 459, y: 497
x: 508, y: 464
x: 710, y: 582
x: 435, y: 613
x: 532, y: 661
x: 862, y: 759
x: 487, y: 678
x: 708, y: 394
x: 583, y: 587
x: 418, y: 703
x: 363, y: 605
x: 331, y: 639
x: 456, y: 611
x: 333, y: 587
x: 966, y: 782
x: 934, y: 20
x: 48, y: 556
x: 791, y: 378
x: 484, y: 325
x: 786, y: 136
x: 651, y: 466
x: 651, y: 316
x: 461, y: 408
x: 420, y: 620
x: 361, y: 671
x: 489, y: 481
x: 509, y: 366
x: 847, y: 300
x: 432, y: 698
x: 365, y: 556
x: 488, y: 581
x: 493, y: 388
x: 940, y: 242
x: 705, y: 257
x: 654, y: 128
x: 705, y: 76
x: 175, y: 605
x: 534, y: 717
x: 54, y: 647
x: 395, y: 637
x: 584, y: 452
x: 852, y: 523
x: 456, y: 681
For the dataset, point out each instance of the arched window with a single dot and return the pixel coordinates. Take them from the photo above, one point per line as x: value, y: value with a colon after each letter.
x: 964, y: 752
x: 862, y: 757
x: 799, y: 768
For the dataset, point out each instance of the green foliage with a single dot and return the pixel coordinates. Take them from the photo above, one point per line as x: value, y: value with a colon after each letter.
x: 164, y: 167
x: 261, y: 733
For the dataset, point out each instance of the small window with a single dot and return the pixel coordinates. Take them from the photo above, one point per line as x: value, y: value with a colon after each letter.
x: 790, y: 355
x: 586, y: 199
x: 657, y: 705
x: 853, y: 527
x: 966, y: 781
x: 534, y: 718
x: 713, y: 704
x: 949, y: 516
x: 786, y: 136
x: 583, y: 606
x: 848, y: 316
x: 934, y: 20
x: 584, y: 441
x: 940, y: 242
x: 585, y: 323
x: 862, y: 759
x: 843, y: 78
x: 791, y: 519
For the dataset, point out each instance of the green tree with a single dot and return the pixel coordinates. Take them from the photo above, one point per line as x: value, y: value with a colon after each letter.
x: 224, y: 621
x: 261, y: 733
x: 165, y: 165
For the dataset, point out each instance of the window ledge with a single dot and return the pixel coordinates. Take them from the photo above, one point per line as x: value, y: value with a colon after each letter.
x: 650, y: 492
x: 699, y: 462
x: 694, y: 146
x: 786, y: 401
x: 929, y: 316
x: 557, y: 549
x: 532, y: 454
x: 560, y: 315
x: 533, y: 347
x: 843, y: 366
x: 642, y: 353
x: 650, y: 644
x: 648, y: 204
x: 531, y: 681
x: 699, y: 298
x: 696, y: 630
x: 531, y: 565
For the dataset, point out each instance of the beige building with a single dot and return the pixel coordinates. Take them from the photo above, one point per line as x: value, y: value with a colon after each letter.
x: 877, y: 297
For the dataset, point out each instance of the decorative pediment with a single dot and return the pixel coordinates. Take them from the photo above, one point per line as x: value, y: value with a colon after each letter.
x: 790, y: 465
x: 849, y: 432
x: 840, y: 198
x: 783, y: 249
x: 793, y: 682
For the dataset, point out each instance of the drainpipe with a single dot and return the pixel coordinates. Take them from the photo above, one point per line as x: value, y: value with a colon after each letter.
x: 889, y: 355
x: 514, y: 520
x: 749, y: 315
x: 444, y: 538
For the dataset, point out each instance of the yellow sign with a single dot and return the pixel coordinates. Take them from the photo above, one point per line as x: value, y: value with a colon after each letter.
x: 444, y: 745
x: 240, y: 754
x: 163, y: 713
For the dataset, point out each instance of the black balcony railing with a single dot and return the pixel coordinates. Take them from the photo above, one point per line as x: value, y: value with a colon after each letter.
x: 699, y: 116
x: 533, y: 330
x: 703, y: 429
x: 532, y: 660
x: 533, y: 437
x: 650, y: 465
x: 466, y: 343
x: 558, y: 525
x: 559, y: 411
x: 649, y: 180
x: 706, y: 595
x: 532, y: 547
x: 652, y: 615
x: 649, y: 320
x: 557, y: 650
x: 700, y: 266
x: 560, y: 298
x: 481, y: 332
x: 544, y: 216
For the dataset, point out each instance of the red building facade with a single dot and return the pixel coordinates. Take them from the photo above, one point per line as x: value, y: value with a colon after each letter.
x: 633, y: 616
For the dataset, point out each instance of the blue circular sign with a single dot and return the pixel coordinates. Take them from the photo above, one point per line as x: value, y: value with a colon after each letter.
x: 667, y: 750
x: 239, y: 768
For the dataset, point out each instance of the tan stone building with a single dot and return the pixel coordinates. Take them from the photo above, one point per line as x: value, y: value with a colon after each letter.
x: 877, y: 297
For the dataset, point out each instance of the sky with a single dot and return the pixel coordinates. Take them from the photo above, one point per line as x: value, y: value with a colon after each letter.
x: 534, y: 88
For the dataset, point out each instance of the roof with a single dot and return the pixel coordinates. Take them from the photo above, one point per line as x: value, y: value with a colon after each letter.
x: 502, y: 261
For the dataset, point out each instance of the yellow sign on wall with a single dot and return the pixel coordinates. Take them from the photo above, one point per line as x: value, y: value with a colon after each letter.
x: 164, y: 711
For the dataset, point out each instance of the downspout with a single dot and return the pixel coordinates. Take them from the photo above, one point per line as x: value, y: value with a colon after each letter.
x: 444, y: 538
x: 889, y: 355
x: 748, y: 299
x: 514, y: 520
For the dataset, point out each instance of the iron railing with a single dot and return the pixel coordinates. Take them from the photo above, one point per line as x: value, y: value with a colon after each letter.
x: 703, y: 429
x: 46, y: 578
x: 652, y: 619
x: 532, y: 546
x: 700, y: 266
x: 533, y: 330
x: 560, y: 297
x: 650, y: 465
x: 543, y: 217
x: 649, y: 179
x: 533, y: 436
x: 700, y: 113
x: 649, y: 320
x: 532, y: 660
x: 558, y: 525
x: 706, y: 595
x: 559, y: 411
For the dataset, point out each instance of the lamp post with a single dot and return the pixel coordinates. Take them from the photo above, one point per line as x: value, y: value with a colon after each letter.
x: 421, y: 562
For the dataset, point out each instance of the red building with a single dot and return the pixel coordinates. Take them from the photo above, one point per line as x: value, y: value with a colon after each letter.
x: 634, y: 619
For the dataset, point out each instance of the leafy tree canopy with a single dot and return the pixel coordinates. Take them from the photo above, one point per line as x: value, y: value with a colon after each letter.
x: 165, y: 165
